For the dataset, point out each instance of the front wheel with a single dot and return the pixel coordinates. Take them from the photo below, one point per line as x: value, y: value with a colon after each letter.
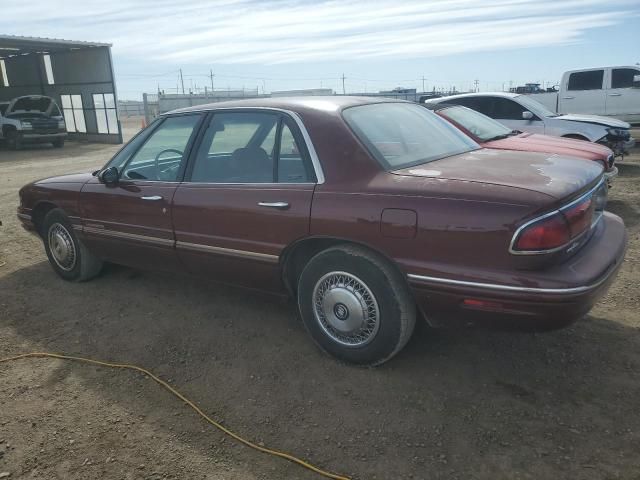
x: 70, y: 259
x: 13, y: 140
x: 58, y: 143
x: 355, y: 305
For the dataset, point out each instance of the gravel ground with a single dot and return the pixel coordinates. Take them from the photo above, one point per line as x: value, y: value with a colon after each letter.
x: 455, y: 404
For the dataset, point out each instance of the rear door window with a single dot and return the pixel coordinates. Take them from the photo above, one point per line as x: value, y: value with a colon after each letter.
x: 623, y: 77
x: 251, y: 148
x: 591, y: 80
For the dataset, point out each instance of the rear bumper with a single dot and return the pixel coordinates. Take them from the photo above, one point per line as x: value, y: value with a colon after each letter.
x: 549, y: 299
x: 611, y: 174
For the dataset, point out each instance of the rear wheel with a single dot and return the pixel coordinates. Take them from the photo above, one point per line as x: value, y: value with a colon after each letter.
x: 355, y: 305
x: 69, y: 258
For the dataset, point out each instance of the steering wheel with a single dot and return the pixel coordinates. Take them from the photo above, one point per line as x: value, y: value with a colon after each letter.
x: 156, y: 162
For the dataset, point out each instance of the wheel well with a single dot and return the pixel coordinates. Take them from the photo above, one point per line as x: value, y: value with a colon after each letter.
x: 576, y: 136
x: 296, y: 257
x: 39, y: 212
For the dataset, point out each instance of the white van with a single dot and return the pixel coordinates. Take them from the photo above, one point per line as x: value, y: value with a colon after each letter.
x: 610, y: 91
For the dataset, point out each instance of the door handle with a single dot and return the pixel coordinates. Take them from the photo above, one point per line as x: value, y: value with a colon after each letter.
x: 152, y: 198
x: 278, y: 205
x: 568, y: 98
x: 615, y: 94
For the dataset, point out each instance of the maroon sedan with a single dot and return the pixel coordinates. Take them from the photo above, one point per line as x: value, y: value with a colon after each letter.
x: 366, y: 210
x: 492, y: 134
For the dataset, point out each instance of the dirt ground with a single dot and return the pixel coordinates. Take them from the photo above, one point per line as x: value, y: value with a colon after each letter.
x: 455, y: 404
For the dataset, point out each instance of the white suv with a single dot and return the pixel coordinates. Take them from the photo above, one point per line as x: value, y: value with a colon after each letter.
x: 31, y: 119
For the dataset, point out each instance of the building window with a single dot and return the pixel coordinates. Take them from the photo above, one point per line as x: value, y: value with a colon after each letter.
x: 73, y: 113
x: 3, y: 72
x: 106, y: 116
x: 48, y: 69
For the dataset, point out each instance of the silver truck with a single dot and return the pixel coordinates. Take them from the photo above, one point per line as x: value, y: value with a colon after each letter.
x: 31, y: 119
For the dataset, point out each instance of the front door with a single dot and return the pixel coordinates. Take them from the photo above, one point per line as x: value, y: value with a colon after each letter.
x: 130, y: 222
x: 584, y: 93
x: 246, y: 196
x: 509, y: 112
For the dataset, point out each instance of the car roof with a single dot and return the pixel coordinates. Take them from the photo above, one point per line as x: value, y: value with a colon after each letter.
x: 474, y: 94
x: 327, y: 104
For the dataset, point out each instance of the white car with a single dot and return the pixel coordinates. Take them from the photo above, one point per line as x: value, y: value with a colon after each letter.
x: 521, y: 112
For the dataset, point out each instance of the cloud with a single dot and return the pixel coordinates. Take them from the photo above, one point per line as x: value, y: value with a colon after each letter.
x: 283, y: 31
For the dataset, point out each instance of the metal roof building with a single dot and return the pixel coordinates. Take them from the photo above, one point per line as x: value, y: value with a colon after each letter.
x: 78, y: 75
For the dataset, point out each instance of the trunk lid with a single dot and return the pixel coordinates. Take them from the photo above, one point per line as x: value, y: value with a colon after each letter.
x: 554, y: 175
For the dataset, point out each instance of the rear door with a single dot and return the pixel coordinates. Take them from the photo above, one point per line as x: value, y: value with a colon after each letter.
x: 623, y: 101
x: 130, y: 222
x: 246, y: 196
x: 584, y: 93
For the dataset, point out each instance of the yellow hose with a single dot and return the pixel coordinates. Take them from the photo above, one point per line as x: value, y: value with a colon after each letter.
x: 237, y: 437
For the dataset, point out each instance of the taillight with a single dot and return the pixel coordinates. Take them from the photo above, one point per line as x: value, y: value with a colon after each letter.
x: 553, y: 231
x: 579, y: 216
x: 546, y: 234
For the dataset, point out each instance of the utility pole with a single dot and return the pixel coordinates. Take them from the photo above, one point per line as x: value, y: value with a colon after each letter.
x: 182, y: 81
x: 211, y: 75
x: 476, y: 83
x: 344, y: 92
x: 423, y: 80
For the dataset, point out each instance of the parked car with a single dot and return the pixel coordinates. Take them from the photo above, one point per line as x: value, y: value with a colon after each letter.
x: 610, y: 91
x: 32, y: 119
x: 365, y: 210
x: 521, y: 112
x: 492, y: 134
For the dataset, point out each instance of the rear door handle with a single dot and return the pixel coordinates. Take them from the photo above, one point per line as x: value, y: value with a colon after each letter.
x: 278, y: 205
x: 568, y: 98
x: 152, y: 198
x: 615, y: 94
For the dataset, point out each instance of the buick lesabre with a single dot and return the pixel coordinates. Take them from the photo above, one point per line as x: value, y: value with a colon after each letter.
x: 369, y: 212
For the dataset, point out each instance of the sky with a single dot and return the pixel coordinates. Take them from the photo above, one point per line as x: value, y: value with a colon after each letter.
x: 273, y: 45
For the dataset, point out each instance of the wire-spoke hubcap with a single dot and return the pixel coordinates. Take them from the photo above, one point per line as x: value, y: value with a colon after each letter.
x: 346, y: 309
x: 63, y: 250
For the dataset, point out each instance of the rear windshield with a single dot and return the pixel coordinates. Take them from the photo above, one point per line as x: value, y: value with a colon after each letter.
x: 3, y: 108
x: 401, y: 135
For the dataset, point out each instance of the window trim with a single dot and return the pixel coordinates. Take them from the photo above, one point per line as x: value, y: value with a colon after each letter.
x: 298, y: 131
x: 188, y: 150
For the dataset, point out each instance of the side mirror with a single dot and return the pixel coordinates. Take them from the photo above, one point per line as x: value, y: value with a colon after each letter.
x: 526, y: 115
x: 109, y: 176
x: 636, y: 81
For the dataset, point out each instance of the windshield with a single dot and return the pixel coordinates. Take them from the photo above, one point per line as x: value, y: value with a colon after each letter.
x: 535, y: 107
x: 401, y: 135
x: 483, y: 127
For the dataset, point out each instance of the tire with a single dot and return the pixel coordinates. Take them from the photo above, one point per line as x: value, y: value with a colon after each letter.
x: 361, y: 294
x: 13, y: 140
x: 70, y: 259
x: 59, y: 143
